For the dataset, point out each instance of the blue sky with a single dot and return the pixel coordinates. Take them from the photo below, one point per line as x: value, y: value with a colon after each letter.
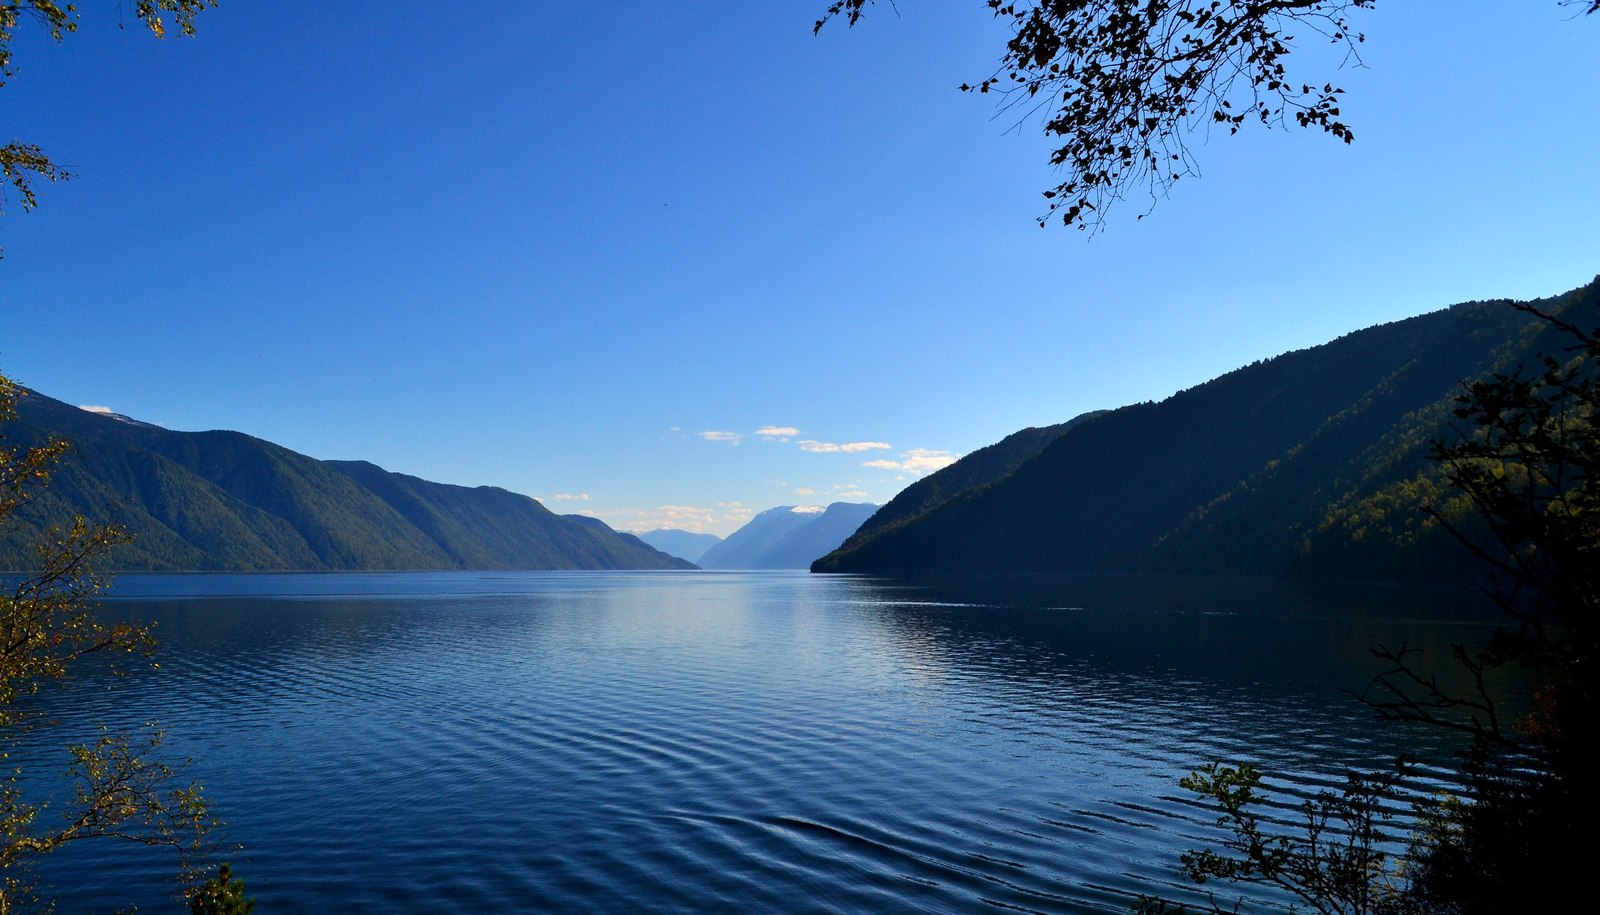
x: 551, y: 246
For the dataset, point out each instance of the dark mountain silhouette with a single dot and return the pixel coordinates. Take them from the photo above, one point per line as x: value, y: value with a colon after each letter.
x: 1313, y: 463
x: 786, y: 537
x: 680, y: 543
x: 979, y: 468
x: 227, y: 501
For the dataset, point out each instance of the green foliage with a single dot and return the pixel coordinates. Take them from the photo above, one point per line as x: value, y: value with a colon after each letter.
x: 223, y: 500
x: 222, y: 894
x: 121, y: 789
x: 1528, y: 463
x: 1312, y: 464
x: 1337, y: 860
x: 980, y: 468
x: 1527, y: 466
x: 23, y: 164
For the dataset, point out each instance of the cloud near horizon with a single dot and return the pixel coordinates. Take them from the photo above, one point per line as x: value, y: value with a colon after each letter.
x: 570, y: 497
x: 731, y: 438
x: 847, y: 448
x: 920, y: 461
x: 722, y: 518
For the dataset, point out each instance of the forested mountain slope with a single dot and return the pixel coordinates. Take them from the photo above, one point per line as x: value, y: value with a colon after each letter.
x: 979, y: 468
x: 227, y: 501
x: 1312, y: 463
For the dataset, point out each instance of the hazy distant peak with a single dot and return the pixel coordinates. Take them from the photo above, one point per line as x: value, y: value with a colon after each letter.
x: 683, y: 544
x: 109, y: 413
x: 787, y: 537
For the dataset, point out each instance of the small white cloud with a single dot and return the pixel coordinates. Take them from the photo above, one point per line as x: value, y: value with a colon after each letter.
x: 722, y: 518
x: 735, y: 512
x: 847, y: 448
x: 805, y: 491
x: 571, y: 497
x: 919, y: 461
x: 923, y: 460
x: 777, y: 433
x: 731, y: 438
x: 852, y: 493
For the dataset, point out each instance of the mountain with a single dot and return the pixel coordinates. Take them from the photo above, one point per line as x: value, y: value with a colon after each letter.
x: 787, y: 537
x: 979, y: 468
x: 1310, y: 464
x: 682, y: 544
x: 227, y: 501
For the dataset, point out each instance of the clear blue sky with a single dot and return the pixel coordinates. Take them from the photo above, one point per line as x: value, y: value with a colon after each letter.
x: 549, y: 246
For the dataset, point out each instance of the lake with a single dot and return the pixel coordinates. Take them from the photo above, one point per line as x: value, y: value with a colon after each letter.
x: 709, y: 742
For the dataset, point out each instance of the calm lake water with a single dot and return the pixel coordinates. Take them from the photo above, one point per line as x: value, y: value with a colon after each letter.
x: 705, y: 742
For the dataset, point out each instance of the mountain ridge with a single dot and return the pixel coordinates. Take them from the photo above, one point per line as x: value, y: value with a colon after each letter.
x: 785, y: 537
x: 687, y: 545
x: 227, y: 501
x: 1306, y: 464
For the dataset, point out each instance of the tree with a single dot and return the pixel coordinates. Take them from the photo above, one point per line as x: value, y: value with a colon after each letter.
x: 1337, y: 862
x: 1122, y: 84
x: 120, y: 787
x: 221, y: 895
x: 1527, y: 462
x: 22, y: 164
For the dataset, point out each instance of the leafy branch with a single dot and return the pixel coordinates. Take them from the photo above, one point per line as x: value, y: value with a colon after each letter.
x: 121, y: 788
x: 1336, y: 860
x: 24, y: 165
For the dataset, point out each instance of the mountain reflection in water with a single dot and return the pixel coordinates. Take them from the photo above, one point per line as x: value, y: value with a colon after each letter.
x: 692, y: 742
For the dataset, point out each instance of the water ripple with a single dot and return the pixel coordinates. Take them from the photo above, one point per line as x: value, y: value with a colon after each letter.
x: 702, y: 743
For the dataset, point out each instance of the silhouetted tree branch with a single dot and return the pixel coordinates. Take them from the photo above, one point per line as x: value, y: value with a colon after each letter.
x: 1336, y: 859
x: 1526, y: 458
x: 1120, y: 85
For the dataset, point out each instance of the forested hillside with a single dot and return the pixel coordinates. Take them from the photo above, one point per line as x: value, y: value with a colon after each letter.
x: 227, y: 501
x: 979, y: 468
x: 1313, y: 463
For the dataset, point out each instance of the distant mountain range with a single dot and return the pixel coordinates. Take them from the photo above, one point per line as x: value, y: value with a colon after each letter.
x: 227, y: 501
x: 680, y: 543
x: 1311, y: 464
x: 787, y: 537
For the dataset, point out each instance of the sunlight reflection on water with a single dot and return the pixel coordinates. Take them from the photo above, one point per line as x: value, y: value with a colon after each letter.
x: 689, y: 742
